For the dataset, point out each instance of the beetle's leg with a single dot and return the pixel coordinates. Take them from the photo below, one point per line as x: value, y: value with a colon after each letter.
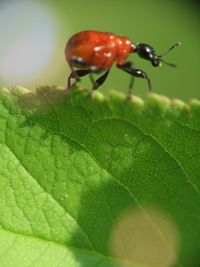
x: 130, y: 87
x: 77, y: 78
x: 99, y: 81
x: 78, y: 62
x: 76, y: 74
x: 127, y: 67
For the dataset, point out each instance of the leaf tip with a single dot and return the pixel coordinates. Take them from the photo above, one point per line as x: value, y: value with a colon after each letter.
x: 19, y: 90
x: 195, y: 103
x: 179, y: 104
x: 137, y: 101
x: 4, y: 89
x: 158, y: 101
x: 98, y: 96
x: 116, y: 95
x: 119, y: 97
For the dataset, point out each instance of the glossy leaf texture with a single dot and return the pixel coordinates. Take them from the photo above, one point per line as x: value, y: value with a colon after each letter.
x: 90, y: 181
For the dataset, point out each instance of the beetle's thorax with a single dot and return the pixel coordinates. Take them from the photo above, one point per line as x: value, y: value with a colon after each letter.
x: 124, y: 49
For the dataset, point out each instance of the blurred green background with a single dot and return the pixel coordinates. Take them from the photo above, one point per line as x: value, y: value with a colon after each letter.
x: 34, y: 34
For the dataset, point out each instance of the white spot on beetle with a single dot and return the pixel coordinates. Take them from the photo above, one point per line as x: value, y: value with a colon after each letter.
x: 98, y: 48
x: 108, y: 54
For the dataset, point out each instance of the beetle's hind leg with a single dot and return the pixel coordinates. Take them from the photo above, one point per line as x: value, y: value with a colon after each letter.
x: 76, y: 74
x: 99, y: 81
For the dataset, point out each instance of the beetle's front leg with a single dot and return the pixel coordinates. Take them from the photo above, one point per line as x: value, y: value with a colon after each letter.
x: 128, y: 67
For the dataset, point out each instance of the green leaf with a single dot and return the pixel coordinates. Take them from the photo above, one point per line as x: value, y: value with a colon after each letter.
x: 89, y: 181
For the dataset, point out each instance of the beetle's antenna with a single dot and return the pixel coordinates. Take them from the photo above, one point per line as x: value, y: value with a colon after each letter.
x: 172, y: 47
x: 169, y: 64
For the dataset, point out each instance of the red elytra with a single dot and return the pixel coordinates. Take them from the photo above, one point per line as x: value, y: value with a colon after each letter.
x: 97, y: 49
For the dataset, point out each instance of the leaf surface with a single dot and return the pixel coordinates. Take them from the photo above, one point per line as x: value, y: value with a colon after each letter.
x: 94, y: 181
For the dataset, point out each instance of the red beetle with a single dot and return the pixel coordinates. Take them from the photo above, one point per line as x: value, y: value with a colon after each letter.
x: 95, y: 52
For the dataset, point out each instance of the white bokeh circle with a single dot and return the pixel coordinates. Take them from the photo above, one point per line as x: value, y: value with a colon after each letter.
x: 28, y: 40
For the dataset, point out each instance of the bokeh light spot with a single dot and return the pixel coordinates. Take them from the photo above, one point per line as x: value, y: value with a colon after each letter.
x: 145, y: 237
x: 27, y: 40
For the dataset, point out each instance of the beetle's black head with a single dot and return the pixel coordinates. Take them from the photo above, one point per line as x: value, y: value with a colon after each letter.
x: 147, y: 52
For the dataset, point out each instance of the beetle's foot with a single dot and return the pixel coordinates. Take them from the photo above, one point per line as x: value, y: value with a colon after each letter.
x: 129, y: 97
x: 91, y: 92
